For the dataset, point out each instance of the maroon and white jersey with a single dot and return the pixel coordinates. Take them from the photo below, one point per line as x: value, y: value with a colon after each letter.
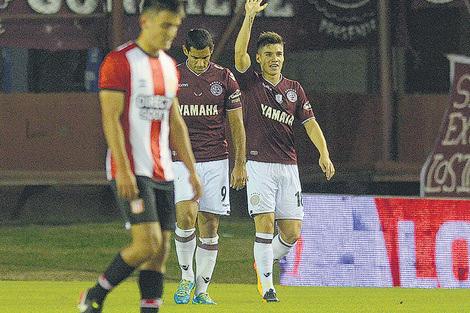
x: 204, y: 100
x: 269, y: 113
x: 150, y: 85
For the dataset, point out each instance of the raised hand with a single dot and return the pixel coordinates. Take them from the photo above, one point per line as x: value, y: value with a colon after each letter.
x: 252, y: 7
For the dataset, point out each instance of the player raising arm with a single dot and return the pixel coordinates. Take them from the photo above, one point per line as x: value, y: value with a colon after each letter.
x: 271, y: 104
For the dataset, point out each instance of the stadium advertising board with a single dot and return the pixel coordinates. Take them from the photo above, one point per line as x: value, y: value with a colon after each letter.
x: 346, y: 19
x: 82, y: 24
x: 446, y: 172
x: 381, y: 242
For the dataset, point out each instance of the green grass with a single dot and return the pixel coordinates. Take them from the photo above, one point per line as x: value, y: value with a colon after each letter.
x: 81, y: 252
x: 39, y: 297
x: 44, y: 268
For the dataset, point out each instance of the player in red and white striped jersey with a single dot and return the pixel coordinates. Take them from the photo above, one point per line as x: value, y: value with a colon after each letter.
x: 141, y: 120
x: 271, y: 103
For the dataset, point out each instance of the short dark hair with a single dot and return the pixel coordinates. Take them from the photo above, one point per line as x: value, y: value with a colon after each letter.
x: 198, y: 38
x: 268, y: 38
x: 174, y: 6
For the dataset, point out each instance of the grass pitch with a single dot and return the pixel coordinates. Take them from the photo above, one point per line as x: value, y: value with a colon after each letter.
x: 47, y: 296
x: 44, y: 269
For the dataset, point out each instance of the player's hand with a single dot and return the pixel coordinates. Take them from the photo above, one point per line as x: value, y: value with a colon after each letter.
x: 326, y: 166
x: 127, y: 185
x: 252, y: 7
x: 196, y: 182
x: 238, y: 177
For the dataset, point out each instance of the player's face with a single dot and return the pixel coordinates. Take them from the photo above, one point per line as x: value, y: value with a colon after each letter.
x: 198, y: 60
x: 271, y: 58
x: 160, y: 28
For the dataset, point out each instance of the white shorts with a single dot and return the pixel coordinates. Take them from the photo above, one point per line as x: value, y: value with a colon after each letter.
x: 274, y: 187
x: 215, y: 182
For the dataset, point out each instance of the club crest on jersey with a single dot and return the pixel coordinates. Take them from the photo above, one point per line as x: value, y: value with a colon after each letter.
x: 216, y: 88
x: 279, y: 98
x: 291, y: 95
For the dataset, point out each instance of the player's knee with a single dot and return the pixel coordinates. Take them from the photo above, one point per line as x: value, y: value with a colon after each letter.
x: 209, y: 228
x: 186, y: 214
x: 142, y: 252
x: 147, y: 249
x: 186, y: 221
x: 291, y: 237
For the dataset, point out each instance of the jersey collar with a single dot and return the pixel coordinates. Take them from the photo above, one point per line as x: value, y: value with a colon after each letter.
x: 208, y: 66
x: 150, y: 55
x: 274, y: 85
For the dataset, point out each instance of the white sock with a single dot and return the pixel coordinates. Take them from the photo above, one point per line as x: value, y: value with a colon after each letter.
x: 185, y: 242
x: 280, y: 247
x: 263, y: 252
x: 206, y: 255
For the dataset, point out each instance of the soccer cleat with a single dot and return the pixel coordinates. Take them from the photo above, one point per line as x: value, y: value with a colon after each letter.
x: 260, y: 288
x: 203, y: 298
x: 87, y: 305
x: 183, y: 292
x: 270, y: 296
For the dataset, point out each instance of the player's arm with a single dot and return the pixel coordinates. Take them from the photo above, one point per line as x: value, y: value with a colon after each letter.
x: 316, y: 136
x: 237, y: 128
x: 112, y: 105
x: 179, y: 141
x: 242, y: 58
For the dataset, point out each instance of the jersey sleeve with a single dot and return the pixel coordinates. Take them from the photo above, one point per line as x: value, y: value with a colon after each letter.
x: 114, y: 72
x: 304, y: 110
x: 178, y: 75
x: 245, y: 79
x: 233, y: 98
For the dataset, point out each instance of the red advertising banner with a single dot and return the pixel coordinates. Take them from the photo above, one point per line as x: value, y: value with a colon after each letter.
x: 446, y: 172
x: 422, y: 237
x: 349, y: 241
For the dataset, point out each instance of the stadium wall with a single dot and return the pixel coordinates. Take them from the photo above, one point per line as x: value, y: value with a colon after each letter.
x: 51, y: 132
x: 62, y: 132
x: 351, y: 241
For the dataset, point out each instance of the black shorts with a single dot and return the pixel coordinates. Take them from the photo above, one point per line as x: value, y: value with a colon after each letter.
x: 156, y: 204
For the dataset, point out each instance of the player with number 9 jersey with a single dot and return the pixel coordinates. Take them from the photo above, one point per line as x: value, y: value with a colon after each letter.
x: 209, y: 95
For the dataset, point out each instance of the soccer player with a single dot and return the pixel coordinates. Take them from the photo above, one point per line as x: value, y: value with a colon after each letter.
x: 271, y: 102
x: 209, y: 94
x: 141, y: 120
